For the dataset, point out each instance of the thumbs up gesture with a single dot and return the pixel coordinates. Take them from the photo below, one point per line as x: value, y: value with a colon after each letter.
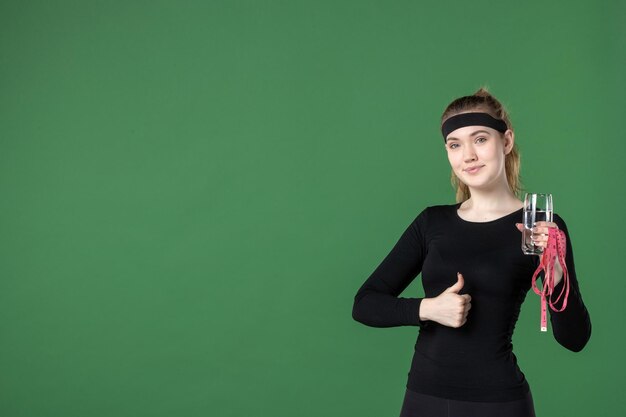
x: 449, y: 308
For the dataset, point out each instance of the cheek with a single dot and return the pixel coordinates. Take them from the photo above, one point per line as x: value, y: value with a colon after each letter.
x: 451, y: 159
x: 489, y: 153
x: 456, y: 160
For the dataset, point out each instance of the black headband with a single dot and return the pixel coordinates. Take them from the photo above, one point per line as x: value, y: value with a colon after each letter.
x: 471, y: 119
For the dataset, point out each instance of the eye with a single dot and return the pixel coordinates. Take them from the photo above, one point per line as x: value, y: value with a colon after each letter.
x: 481, y: 139
x: 453, y: 145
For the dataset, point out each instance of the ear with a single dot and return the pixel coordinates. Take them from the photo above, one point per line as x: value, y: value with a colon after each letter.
x: 508, y: 141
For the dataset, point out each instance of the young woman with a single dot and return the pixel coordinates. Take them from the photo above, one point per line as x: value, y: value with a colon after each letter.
x: 475, y: 277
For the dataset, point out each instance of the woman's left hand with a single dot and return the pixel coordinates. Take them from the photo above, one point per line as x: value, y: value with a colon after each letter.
x: 540, y: 232
x: 540, y: 238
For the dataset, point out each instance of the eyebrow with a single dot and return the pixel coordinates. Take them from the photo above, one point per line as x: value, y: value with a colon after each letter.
x: 471, y: 134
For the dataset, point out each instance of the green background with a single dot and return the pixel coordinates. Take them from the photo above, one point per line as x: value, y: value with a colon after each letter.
x: 193, y: 191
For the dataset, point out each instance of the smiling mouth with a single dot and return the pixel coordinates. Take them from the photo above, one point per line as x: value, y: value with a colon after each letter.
x: 473, y: 170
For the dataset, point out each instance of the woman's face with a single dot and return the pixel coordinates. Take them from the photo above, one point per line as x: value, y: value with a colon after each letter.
x: 476, y: 155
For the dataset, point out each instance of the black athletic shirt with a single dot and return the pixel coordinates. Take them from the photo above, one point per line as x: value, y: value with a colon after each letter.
x: 474, y: 362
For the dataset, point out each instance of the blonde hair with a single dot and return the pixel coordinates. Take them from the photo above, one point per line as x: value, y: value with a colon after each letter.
x: 483, y: 101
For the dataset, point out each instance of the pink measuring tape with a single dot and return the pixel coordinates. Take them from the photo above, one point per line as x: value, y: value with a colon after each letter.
x: 556, y: 248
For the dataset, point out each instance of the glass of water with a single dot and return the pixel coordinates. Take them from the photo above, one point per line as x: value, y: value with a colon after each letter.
x: 537, y: 208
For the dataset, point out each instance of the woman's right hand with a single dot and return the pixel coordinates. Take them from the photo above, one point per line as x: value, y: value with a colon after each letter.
x: 448, y: 308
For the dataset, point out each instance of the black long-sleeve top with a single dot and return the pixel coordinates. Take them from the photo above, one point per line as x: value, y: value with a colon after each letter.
x: 474, y: 362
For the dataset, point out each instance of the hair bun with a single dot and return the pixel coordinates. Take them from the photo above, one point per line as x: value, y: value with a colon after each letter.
x: 482, y: 92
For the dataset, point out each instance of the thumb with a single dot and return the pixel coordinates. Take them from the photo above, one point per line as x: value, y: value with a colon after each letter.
x: 519, y: 226
x: 459, y: 284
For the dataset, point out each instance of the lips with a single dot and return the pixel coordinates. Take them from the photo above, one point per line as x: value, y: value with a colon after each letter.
x: 473, y: 170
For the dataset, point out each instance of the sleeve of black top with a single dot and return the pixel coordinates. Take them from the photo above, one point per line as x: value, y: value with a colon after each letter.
x: 572, y: 326
x: 376, y: 303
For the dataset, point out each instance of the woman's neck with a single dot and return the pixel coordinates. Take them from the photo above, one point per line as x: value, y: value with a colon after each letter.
x: 501, y: 200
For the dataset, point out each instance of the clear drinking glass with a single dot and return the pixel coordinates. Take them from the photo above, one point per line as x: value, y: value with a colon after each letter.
x: 537, y: 208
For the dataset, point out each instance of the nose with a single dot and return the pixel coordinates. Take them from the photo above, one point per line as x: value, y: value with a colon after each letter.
x: 469, y: 154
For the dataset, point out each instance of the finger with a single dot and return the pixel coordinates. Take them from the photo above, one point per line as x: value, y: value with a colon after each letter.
x: 545, y: 227
x: 519, y: 227
x: 458, y: 285
x: 546, y: 224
